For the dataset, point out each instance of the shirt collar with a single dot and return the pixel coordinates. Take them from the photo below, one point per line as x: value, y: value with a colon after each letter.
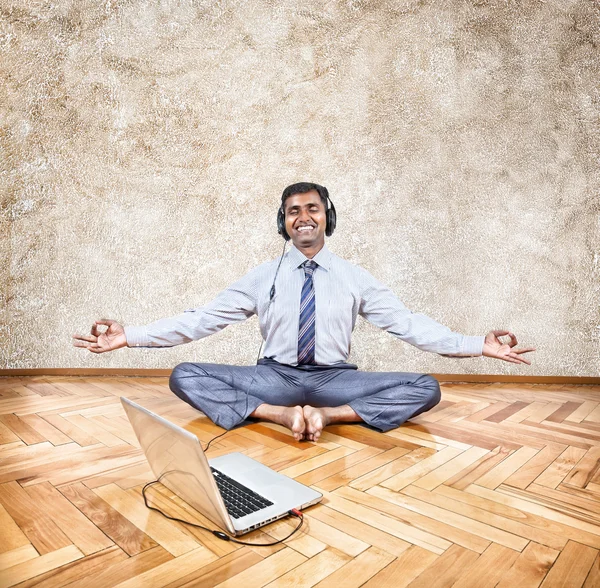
x: 297, y: 258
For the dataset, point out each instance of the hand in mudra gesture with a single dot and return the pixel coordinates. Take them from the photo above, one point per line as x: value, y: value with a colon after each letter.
x: 97, y: 342
x: 493, y: 347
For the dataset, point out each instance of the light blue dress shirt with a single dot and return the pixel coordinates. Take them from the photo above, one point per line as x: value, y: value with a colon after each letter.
x: 342, y: 292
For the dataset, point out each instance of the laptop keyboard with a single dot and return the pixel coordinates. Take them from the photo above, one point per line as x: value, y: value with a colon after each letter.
x: 239, y: 500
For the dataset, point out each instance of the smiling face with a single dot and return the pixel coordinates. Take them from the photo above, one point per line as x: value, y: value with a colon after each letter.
x: 305, y: 222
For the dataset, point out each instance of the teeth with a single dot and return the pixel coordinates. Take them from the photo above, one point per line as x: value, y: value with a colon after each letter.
x: 305, y: 229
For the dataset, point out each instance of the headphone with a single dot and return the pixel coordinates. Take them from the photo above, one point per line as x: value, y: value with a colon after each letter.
x: 330, y: 215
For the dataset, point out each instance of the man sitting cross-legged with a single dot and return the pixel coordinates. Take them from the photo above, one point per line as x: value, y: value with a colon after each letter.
x: 307, y: 304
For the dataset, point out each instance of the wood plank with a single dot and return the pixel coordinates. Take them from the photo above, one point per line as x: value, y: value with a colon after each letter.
x: 21, y: 429
x: 77, y: 527
x: 316, y: 462
x: 358, y: 570
x: 266, y: 571
x: 547, y: 518
x: 529, y: 471
x: 11, y: 558
x: 451, y: 468
x: 421, y: 468
x: 312, y: 571
x: 478, y: 469
x: 391, y: 469
x: 423, y: 433
x: 360, y: 530
x: 558, y: 416
x: 593, y: 578
x: 506, y: 468
x: 369, y: 437
x: 446, y: 569
x: 572, y: 566
x: 387, y: 524
x: 404, y: 569
x: 489, y: 569
x: 530, y: 568
x: 172, y: 570
x: 166, y: 533
x: 585, y: 469
x: 524, y: 413
x: 502, y: 517
x: 126, y: 535
x: 436, y: 508
x: 129, y: 568
x: 558, y: 470
x: 585, y: 408
x: 78, y: 571
x: 72, y: 431
x: 318, y: 474
x: 543, y: 412
x: 45, y: 429
x: 93, y: 429
x: 362, y: 468
x: 6, y: 435
x: 35, y: 522
x: 218, y: 571
x: 11, y: 536
x: 333, y: 537
x: 506, y: 412
x: 34, y: 567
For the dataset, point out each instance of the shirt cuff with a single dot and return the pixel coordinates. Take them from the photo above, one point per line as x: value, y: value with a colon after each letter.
x: 472, y: 346
x: 137, y: 337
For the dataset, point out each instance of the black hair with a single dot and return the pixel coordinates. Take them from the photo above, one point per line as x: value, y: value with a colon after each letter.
x: 303, y: 188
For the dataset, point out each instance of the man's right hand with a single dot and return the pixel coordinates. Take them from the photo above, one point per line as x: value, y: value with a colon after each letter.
x: 97, y: 342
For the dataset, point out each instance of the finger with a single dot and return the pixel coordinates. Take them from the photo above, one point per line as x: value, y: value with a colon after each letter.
x: 519, y: 359
x: 513, y: 340
x: 106, y: 322
x: 524, y: 350
x: 500, y: 333
x: 95, y: 330
x: 510, y: 359
x: 89, y: 338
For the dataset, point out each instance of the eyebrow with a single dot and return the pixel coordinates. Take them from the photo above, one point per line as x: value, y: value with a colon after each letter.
x: 296, y: 206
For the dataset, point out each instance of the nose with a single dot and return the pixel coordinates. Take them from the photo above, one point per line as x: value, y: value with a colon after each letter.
x: 304, y: 215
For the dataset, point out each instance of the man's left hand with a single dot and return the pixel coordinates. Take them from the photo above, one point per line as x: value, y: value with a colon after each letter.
x: 493, y: 347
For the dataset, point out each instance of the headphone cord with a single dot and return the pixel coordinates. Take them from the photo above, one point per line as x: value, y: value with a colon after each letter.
x: 271, y: 296
x: 220, y: 534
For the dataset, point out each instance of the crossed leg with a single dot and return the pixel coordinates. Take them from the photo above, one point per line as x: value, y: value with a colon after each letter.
x: 230, y: 394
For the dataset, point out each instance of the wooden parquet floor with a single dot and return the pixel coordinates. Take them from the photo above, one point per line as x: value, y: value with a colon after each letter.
x: 499, y: 485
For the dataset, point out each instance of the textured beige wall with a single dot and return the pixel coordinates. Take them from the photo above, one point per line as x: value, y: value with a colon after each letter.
x: 145, y: 145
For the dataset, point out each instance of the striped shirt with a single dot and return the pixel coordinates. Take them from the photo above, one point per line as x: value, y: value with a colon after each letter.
x: 342, y: 292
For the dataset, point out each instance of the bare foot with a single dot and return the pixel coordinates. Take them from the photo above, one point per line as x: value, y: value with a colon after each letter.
x: 315, y: 419
x: 291, y: 417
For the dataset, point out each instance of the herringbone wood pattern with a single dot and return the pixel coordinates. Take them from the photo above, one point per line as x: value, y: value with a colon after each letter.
x: 499, y: 485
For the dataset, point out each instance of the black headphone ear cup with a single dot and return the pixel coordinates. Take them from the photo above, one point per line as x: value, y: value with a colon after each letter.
x: 281, y: 224
x: 331, y: 220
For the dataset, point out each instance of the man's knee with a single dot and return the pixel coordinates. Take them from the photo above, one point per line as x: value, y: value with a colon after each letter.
x: 431, y: 391
x: 180, y: 374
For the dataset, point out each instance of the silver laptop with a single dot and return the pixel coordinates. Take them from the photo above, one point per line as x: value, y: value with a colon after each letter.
x: 212, y: 487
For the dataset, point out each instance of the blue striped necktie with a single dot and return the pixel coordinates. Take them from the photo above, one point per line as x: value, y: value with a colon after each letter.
x: 306, y: 327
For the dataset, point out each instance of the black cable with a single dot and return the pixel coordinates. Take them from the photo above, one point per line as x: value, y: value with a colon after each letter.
x: 208, y: 445
x: 271, y: 296
x: 220, y: 534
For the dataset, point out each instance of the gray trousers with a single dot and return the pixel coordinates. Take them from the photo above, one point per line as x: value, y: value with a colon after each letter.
x: 229, y: 394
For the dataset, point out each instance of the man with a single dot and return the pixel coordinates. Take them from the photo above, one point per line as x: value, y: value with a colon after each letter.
x: 307, y: 303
